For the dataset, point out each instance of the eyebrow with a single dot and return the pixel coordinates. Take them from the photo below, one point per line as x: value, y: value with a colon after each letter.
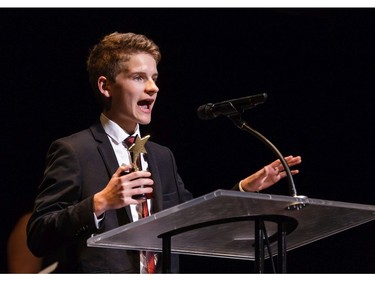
x: 143, y: 73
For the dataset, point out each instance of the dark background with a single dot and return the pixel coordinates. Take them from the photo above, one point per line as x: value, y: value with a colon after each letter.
x: 316, y: 65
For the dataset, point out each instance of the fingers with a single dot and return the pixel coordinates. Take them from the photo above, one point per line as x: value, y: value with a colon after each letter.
x: 129, y: 179
x: 294, y: 160
x: 288, y: 159
x: 291, y: 160
x: 283, y: 173
x: 137, y: 183
x: 141, y: 193
x: 126, y: 171
x: 121, y: 170
x: 133, y: 176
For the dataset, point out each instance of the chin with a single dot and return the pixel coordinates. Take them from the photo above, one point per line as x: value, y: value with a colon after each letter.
x: 144, y: 122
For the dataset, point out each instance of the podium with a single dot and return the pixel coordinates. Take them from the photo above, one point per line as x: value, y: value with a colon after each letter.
x: 237, y: 225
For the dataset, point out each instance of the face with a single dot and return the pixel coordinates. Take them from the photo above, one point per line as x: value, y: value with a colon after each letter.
x: 133, y: 93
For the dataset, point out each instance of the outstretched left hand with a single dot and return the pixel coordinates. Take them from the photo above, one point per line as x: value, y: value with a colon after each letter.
x: 269, y: 175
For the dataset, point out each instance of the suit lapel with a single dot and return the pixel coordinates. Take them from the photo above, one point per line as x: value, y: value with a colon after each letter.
x: 153, y: 167
x: 109, y: 158
x: 105, y: 148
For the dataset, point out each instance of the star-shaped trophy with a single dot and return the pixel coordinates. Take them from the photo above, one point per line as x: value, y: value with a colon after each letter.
x: 136, y: 149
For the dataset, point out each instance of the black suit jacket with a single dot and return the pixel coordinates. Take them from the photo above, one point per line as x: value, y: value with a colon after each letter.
x: 77, y: 167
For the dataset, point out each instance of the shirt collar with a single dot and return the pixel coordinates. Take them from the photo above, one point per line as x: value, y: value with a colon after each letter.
x: 114, y: 131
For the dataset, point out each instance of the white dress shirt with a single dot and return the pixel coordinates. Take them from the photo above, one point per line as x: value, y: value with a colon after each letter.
x: 116, y: 137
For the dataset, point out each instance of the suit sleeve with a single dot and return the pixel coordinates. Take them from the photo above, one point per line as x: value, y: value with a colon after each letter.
x: 236, y: 187
x: 60, y: 216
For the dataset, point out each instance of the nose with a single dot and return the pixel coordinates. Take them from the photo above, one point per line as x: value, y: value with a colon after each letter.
x: 151, y: 87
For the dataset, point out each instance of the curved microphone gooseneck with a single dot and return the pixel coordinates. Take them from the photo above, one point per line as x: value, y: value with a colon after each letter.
x: 233, y: 110
x: 244, y: 126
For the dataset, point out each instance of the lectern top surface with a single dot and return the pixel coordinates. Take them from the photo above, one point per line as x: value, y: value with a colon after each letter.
x: 316, y: 219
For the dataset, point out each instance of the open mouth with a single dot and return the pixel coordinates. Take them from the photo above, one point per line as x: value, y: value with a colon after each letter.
x: 145, y: 105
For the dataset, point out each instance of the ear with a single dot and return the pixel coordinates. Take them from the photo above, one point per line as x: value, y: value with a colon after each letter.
x: 104, y: 87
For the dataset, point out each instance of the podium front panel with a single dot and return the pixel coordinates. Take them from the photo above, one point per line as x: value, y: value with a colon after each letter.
x: 316, y: 219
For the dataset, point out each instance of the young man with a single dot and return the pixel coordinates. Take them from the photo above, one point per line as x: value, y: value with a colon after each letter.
x: 89, y: 186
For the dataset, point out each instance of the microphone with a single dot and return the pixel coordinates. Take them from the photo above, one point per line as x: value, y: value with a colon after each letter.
x: 230, y: 107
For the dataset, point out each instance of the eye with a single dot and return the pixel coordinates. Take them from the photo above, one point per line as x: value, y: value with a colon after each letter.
x: 138, y: 77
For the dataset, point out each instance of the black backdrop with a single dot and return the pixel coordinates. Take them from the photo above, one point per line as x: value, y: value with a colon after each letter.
x: 317, y: 66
